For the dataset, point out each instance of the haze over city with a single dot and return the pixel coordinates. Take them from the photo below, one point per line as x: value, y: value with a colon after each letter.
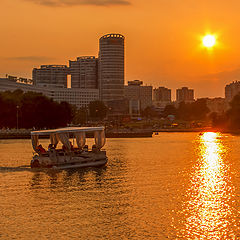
x: 163, y: 38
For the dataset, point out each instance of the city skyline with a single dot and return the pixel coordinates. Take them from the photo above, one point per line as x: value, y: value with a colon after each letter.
x: 163, y: 39
x: 76, y: 74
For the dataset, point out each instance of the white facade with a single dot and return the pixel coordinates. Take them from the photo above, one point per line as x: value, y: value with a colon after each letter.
x: 78, y: 97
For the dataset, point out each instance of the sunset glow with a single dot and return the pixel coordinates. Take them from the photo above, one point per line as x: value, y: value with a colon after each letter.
x: 210, y: 192
x: 171, y: 45
x: 209, y: 41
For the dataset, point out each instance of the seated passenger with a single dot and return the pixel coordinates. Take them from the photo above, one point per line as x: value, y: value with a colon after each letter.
x: 85, y: 148
x: 72, y: 149
x: 64, y: 148
x: 41, y: 149
x: 51, y: 146
x: 94, y: 148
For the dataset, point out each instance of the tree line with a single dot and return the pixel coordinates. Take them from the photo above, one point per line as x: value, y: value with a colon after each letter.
x: 197, y: 110
x: 230, y: 120
x: 34, y: 110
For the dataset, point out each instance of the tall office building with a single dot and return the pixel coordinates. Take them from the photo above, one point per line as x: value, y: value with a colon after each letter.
x: 50, y: 74
x: 232, y: 90
x: 111, y: 67
x: 84, y: 72
x: 185, y: 95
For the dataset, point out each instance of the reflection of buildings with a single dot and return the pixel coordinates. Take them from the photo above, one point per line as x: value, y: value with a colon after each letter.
x: 111, y: 67
x: 185, y: 95
x: 50, y: 74
x: 139, y: 96
x: 83, y: 72
x: 161, y: 97
x: 231, y: 90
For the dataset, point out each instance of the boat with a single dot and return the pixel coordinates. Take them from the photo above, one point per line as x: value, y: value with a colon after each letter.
x: 69, y: 156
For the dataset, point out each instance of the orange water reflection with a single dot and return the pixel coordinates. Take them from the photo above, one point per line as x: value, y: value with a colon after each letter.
x: 208, y: 212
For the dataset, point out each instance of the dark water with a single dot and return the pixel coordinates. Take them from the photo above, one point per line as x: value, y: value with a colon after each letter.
x: 171, y: 186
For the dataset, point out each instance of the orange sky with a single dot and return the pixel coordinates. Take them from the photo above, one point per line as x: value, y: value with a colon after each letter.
x: 163, y: 46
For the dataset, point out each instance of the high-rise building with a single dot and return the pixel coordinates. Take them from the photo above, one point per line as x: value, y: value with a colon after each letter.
x: 84, y: 72
x: 139, y: 96
x: 232, y: 90
x: 50, y: 74
x: 185, y: 95
x: 162, y: 94
x: 111, y: 67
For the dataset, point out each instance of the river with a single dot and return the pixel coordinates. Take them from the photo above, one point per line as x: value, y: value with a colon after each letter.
x: 171, y: 186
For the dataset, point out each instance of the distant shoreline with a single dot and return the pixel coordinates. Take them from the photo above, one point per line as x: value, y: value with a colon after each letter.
x: 124, y: 134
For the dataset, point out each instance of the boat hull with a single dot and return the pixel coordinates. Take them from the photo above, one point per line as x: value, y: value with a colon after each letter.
x: 98, y: 163
x: 69, y: 160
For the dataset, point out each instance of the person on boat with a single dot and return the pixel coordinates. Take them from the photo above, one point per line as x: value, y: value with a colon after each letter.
x: 72, y: 148
x: 41, y: 149
x: 64, y: 148
x: 85, y: 148
x: 94, y: 148
x: 50, y: 146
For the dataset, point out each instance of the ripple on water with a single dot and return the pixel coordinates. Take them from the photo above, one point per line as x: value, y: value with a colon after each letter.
x: 171, y: 186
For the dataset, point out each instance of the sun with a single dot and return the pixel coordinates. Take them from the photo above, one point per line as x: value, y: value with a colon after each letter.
x: 209, y: 41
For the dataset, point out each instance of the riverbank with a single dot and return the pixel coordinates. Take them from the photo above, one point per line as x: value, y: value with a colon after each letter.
x: 209, y: 129
x: 26, y: 134
x: 119, y: 133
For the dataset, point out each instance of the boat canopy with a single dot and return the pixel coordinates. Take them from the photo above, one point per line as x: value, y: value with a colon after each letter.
x: 62, y: 135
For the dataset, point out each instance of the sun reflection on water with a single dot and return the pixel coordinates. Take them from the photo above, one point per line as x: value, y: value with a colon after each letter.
x: 207, y: 212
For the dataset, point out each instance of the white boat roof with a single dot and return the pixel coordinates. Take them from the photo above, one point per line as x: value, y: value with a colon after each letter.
x: 67, y: 130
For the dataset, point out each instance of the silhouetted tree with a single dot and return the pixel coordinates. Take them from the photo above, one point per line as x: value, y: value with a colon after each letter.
x: 219, y: 121
x: 80, y: 115
x: 149, y: 112
x: 97, y: 110
x: 233, y: 114
x: 169, y: 110
x: 34, y: 110
x: 193, y: 111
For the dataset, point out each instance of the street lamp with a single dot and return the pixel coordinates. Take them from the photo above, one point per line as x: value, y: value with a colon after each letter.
x: 17, y: 116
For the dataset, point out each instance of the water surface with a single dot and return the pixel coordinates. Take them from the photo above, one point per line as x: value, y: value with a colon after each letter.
x: 171, y: 186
